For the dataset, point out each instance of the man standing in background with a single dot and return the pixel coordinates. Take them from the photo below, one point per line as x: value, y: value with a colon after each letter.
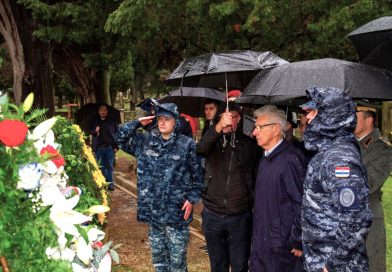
x: 377, y: 157
x: 103, y: 130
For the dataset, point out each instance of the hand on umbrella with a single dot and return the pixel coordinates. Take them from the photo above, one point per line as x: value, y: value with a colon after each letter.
x: 146, y: 120
x: 225, y: 121
x: 188, y: 209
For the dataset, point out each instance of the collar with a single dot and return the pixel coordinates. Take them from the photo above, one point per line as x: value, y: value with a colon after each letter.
x: 267, y: 152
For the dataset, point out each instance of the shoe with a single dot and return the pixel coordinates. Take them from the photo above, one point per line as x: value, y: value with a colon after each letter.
x: 111, y: 187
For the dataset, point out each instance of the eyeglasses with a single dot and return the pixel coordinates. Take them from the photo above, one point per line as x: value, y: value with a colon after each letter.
x: 259, y: 127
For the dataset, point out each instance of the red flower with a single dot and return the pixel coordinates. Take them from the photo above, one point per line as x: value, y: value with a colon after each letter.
x: 55, y: 156
x: 12, y: 132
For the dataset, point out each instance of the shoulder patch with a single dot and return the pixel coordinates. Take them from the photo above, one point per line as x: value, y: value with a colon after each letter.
x: 348, y: 198
x: 342, y: 171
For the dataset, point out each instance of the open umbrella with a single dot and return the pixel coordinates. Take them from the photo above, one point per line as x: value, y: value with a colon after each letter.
x: 85, y: 115
x: 191, y: 100
x: 231, y: 69
x: 373, y: 42
x: 286, y: 84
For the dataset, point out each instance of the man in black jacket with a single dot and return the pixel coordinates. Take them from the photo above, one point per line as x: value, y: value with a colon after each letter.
x: 231, y: 161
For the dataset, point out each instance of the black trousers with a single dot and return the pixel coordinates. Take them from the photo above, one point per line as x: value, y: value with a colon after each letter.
x: 228, y: 240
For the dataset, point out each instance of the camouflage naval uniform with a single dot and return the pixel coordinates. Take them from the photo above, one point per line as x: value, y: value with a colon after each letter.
x: 168, y: 173
x: 335, y: 216
x: 377, y: 157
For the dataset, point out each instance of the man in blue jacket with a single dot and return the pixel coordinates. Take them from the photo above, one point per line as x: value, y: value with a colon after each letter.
x: 276, y: 232
x: 170, y: 181
x: 336, y: 216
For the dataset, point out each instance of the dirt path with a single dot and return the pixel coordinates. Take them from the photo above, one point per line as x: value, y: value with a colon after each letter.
x: 122, y: 228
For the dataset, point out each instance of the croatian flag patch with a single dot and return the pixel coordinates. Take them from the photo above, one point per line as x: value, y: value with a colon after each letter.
x: 342, y: 171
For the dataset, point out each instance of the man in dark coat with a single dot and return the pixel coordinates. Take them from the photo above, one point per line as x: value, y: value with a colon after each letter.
x: 276, y: 237
x: 231, y: 159
x: 377, y: 157
x: 336, y: 215
x: 103, y: 129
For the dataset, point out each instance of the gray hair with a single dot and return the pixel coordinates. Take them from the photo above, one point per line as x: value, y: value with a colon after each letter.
x: 274, y: 115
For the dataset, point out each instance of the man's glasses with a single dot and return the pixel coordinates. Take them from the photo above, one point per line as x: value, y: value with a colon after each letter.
x: 259, y: 127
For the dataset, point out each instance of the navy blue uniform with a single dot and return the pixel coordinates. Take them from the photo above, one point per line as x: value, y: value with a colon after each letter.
x: 336, y: 216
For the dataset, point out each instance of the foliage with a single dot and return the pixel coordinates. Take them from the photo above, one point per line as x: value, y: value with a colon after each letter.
x: 387, y: 204
x: 39, y: 230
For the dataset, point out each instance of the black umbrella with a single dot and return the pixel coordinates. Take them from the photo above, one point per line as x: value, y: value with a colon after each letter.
x: 85, y: 115
x: 191, y: 100
x: 373, y: 42
x: 232, y: 69
x: 286, y: 84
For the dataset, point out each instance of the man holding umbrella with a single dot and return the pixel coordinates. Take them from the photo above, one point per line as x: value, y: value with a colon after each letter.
x: 231, y: 160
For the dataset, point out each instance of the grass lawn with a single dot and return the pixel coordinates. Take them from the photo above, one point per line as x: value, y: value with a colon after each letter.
x: 387, y: 204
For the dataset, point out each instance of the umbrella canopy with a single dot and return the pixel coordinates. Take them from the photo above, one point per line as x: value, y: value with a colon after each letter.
x: 373, y: 42
x: 85, y: 115
x: 191, y: 100
x: 212, y: 70
x: 286, y: 84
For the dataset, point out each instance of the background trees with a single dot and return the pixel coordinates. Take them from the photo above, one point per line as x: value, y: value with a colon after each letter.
x: 101, y: 47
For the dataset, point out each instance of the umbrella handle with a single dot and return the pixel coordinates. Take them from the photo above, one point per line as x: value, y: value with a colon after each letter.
x: 182, y: 81
x: 227, y: 94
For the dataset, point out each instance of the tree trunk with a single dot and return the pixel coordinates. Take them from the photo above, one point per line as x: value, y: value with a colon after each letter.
x: 31, y: 58
x: 106, y: 86
x: 68, y: 61
x: 9, y: 30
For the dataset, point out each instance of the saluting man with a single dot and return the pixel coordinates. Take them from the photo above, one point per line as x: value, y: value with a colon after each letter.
x: 170, y: 181
x: 336, y: 215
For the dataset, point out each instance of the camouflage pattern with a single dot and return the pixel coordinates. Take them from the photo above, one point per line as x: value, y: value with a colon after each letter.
x: 168, y: 173
x: 377, y: 157
x: 168, y: 247
x: 335, y: 216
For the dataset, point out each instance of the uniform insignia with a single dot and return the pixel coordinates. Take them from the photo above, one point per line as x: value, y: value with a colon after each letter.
x: 368, y: 141
x: 348, y: 198
x: 342, y: 171
x: 151, y: 153
x: 176, y: 157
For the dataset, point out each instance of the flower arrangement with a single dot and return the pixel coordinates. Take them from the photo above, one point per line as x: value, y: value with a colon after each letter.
x: 48, y: 219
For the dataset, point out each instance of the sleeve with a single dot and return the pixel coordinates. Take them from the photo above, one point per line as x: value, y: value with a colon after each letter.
x: 207, y: 142
x: 93, y: 125
x: 349, y: 191
x: 128, y: 139
x: 379, y: 168
x: 196, y: 171
x: 293, y: 181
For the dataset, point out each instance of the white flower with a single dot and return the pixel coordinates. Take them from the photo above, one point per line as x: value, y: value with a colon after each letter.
x: 68, y: 255
x: 95, y: 234
x: 84, y: 251
x: 53, y: 253
x: 77, y: 268
x: 43, y: 128
x: 50, y: 193
x: 29, y: 176
x: 64, y: 217
x: 106, y: 264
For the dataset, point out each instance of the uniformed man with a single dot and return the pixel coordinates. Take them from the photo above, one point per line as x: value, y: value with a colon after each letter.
x: 377, y: 157
x: 169, y: 182
x: 336, y: 215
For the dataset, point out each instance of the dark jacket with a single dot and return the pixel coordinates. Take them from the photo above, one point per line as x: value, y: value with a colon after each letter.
x: 336, y: 215
x: 168, y: 173
x: 107, y: 133
x: 231, y: 161
x: 277, y: 211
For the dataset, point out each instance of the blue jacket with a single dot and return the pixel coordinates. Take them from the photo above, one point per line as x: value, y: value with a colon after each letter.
x: 168, y: 173
x: 336, y: 216
x: 277, y: 211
